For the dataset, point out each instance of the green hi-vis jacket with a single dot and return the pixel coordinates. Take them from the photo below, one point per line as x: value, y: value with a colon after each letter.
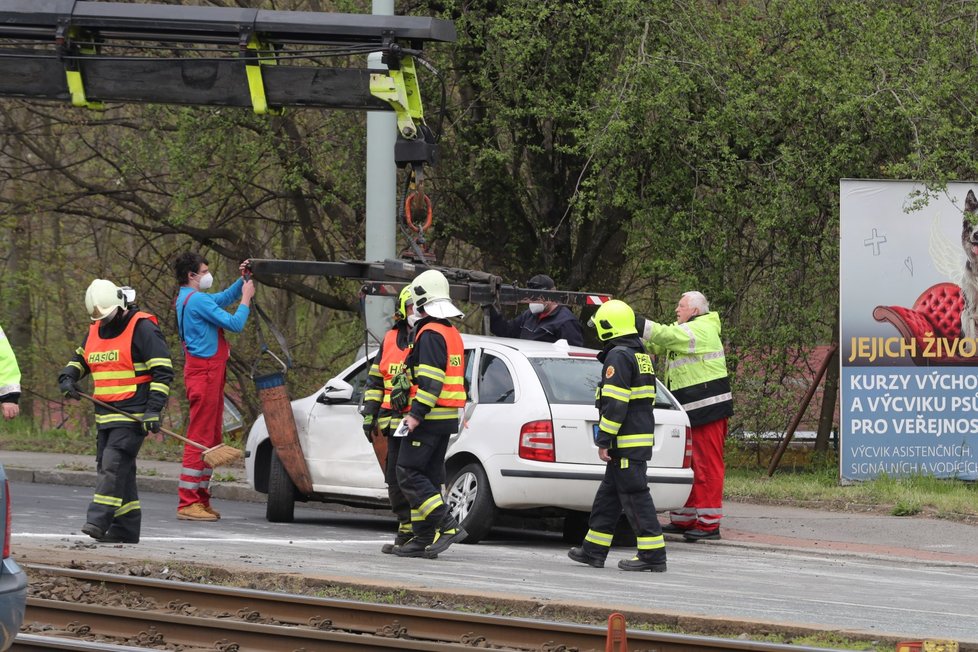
x: 696, y: 369
x: 9, y: 372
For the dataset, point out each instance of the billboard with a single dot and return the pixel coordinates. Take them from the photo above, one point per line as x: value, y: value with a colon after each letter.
x: 908, y: 315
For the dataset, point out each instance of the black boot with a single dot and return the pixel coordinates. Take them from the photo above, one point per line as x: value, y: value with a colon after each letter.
x: 399, y: 540
x: 581, y: 557
x: 414, y: 548
x: 445, y: 538
x: 638, y: 564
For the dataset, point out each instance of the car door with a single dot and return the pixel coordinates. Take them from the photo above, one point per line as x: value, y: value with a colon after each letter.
x: 488, y: 418
x: 338, y: 454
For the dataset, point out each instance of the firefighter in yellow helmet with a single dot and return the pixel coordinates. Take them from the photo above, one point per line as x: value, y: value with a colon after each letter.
x: 436, y: 367
x: 127, y: 357
x: 379, y: 417
x: 625, y: 436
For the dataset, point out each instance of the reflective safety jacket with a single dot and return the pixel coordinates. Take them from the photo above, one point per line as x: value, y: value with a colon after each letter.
x: 437, y: 367
x: 388, y: 362
x: 626, y: 399
x: 9, y: 372
x: 130, y: 364
x: 696, y: 369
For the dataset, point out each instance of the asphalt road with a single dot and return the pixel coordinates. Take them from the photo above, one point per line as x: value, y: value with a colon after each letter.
x: 905, y: 598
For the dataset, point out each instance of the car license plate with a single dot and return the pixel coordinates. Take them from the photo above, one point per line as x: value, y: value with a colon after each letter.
x: 595, y: 431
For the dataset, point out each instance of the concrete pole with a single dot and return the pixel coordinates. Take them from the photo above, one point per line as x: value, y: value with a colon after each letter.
x: 381, y: 193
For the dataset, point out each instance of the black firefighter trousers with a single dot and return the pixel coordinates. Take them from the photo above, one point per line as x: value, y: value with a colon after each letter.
x: 420, y: 473
x: 625, y: 488
x: 115, y: 505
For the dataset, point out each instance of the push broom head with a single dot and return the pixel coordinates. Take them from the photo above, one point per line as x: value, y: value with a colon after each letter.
x: 221, y: 455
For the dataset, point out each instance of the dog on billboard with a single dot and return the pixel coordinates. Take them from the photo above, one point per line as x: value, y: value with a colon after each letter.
x: 969, y: 279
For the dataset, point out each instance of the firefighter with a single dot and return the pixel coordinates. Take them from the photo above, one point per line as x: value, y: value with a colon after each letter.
x: 625, y: 436
x: 201, y: 322
x: 378, y: 415
x: 127, y: 357
x: 9, y: 379
x: 436, y: 367
x: 696, y: 373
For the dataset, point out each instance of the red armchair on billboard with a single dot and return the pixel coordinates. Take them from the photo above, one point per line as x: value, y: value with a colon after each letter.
x: 936, y: 312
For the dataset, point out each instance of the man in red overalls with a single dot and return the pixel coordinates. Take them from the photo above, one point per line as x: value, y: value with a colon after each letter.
x: 127, y: 357
x: 201, y: 321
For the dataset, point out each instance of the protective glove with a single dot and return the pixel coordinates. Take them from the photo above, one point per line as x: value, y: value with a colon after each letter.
x: 368, y: 427
x: 151, y: 422
x: 400, y: 393
x: 70, y: 389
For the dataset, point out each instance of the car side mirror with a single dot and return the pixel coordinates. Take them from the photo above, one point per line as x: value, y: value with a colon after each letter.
x: 335, y: 391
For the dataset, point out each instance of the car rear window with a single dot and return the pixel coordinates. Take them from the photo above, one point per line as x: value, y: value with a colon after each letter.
x: 568, y: 380
x: 574, y: 380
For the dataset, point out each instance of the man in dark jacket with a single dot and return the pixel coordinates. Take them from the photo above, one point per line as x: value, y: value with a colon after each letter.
x: 544, y: 321
x: 624, y: 436
x: 128, y: 359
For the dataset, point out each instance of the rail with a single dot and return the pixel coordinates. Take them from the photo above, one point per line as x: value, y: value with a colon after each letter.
x: 231, y: 619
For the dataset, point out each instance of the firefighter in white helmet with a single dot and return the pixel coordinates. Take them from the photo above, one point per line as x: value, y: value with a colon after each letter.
x: 436, y: 367
x: 127, y: 357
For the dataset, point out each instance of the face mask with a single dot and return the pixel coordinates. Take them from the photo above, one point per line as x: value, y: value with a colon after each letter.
x: 412, y: 319
x: 206, y: 281
x: 537, y: 308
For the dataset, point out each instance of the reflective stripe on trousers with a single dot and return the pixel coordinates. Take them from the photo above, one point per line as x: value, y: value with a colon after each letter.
x: 115, y: 503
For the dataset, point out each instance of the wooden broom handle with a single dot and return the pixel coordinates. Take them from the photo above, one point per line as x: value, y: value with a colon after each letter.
x: 113, y: 408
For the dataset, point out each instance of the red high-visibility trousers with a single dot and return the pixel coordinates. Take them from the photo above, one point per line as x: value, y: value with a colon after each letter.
x: 704, y: 507
x: 204, y: 379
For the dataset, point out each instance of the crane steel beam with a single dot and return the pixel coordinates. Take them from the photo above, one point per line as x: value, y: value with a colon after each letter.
x: 38, y: 19
x: 388, y: 277
x: 60, y: 50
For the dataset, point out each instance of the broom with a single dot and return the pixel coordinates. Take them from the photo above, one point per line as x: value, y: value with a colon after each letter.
x: 215, y: 456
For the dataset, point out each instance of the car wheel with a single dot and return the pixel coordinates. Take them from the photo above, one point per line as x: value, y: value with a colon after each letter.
x: 280, y: 506
x: 470, y: 499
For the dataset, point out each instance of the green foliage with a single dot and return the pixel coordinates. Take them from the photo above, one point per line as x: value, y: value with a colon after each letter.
x: 639, y: 147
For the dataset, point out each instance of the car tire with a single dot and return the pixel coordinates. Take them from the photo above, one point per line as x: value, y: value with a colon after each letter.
x: 280, y: 506
x: 470, y: 499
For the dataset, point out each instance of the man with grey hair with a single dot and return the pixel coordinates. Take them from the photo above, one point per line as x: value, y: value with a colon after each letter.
x: 695, y: 371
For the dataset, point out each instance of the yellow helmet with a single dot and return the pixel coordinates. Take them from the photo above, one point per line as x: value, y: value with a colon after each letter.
x: 404, y: 299
x: 103, y: 298
x: 613, y: 319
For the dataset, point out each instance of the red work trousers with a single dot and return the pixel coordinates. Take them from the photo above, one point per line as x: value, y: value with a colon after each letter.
x: 704, y: 507
x: 204, y: 379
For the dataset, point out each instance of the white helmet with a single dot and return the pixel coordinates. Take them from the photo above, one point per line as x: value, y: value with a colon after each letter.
x: 103, y: 298
x: 431, y: 294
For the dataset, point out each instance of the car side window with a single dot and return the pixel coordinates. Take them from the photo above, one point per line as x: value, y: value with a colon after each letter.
x: 358, y: 379
x: 495, y: 382
x: 469, y: 357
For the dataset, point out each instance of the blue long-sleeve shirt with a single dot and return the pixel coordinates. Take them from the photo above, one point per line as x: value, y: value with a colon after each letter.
x: 205, y: 314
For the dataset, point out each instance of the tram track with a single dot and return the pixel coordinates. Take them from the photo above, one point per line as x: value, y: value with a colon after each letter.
x: 165, y: 613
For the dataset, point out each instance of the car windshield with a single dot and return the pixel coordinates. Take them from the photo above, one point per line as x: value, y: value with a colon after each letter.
x: 568, y: 380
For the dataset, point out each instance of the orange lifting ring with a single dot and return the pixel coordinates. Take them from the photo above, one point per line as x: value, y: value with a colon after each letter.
x: 408, y: 201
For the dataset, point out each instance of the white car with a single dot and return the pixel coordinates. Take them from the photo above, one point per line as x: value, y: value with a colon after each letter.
x: 526, y: 441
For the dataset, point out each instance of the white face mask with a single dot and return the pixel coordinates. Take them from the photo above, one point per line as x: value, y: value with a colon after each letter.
x: 412, y: 319
x: 537, y: 308
x: 206, y: 281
